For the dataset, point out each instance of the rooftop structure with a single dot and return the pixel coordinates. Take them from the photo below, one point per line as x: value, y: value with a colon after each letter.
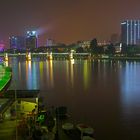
x: 84, y: 44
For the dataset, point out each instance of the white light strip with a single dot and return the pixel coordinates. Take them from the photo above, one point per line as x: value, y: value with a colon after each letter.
x: 135, y: 31
x: 127, y: 32
x: 138, y: 29
x: 131, y: 37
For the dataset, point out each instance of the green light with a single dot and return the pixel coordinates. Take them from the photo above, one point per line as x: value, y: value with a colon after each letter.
x: 41, y: 118
x: 5, y: 74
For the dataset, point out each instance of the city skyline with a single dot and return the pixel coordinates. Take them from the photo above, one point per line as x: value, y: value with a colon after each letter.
x: 65, y: 21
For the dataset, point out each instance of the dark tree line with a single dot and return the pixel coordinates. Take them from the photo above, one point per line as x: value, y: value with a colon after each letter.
x: 130, y: 50
x: 95, y: 49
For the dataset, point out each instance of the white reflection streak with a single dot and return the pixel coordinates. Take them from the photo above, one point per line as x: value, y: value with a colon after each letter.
x: 67, y: 71
x: 29, y: 74
x: 48, y: 73
x: 72, y: 74
x: 51, y: 73
x: 129, y: 88
x: 19, y: 69
x: 6, y: 63
x: 29, y: 65
x: 34, y: 76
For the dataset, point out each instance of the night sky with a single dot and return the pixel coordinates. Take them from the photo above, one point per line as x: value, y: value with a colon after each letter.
x: 66, y: 20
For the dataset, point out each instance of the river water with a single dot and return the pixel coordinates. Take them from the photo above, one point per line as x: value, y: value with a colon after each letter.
x: 103, y: 94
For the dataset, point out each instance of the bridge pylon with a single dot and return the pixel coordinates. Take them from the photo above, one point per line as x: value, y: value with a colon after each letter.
x: 49, y: 56
x: 28, y: 56
x: 6, y: 57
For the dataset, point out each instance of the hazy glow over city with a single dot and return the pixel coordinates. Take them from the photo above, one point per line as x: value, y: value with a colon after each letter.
x: 65, y: 21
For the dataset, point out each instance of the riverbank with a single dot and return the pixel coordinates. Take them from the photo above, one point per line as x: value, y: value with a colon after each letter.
x: 122, y: 58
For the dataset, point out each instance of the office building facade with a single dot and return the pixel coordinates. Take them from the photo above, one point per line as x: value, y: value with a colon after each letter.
x: 31, y: 40
x: 130, y: 32
x: 17, y: 42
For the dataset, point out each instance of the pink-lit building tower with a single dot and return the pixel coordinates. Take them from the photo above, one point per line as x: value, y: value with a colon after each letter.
x: 2, y: 46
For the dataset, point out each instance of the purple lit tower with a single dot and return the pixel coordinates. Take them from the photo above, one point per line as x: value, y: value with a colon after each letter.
x: 2, y: 46
x: 17, y: 42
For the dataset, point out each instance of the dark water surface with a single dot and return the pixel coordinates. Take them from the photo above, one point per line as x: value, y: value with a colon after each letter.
x: 103, y: 94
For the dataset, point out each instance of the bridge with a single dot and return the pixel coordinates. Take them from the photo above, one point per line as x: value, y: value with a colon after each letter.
x: 48, y: 55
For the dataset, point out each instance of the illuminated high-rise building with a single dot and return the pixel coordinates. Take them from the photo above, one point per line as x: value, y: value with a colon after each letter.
x: 17, y: 42
x: 2, y: 45
x: 130, y: 32
x: 50, y: 42
x: 31, y: 40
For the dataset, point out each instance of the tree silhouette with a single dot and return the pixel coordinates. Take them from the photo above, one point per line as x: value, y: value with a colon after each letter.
x: 111, y: 49
x: 124, y: 49
x: 94, y: 46
x: 80, y: 50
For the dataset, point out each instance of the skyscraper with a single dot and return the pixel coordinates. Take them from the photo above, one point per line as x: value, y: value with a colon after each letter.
x: 130, y: 32
x: 31, y: 40
x: 17, y: 42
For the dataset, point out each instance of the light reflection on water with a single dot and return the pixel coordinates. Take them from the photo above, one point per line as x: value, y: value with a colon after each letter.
x: 104, y: 94
x: 130, y: 96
